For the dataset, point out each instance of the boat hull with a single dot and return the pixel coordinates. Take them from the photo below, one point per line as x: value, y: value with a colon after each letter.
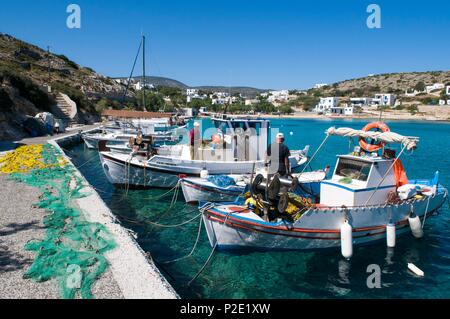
x: 318, y: 228
x: 128, y: 174
x: 199, y: 192
x: 164, y: 171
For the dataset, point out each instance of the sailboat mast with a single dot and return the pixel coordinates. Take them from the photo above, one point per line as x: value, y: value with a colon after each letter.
x: 143, y: 73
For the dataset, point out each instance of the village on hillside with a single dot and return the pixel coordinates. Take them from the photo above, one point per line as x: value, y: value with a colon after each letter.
x: 430, y: 100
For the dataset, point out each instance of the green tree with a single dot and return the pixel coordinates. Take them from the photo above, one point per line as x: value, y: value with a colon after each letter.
x: 286, y: 109
x: 420, y: 86
x: 154, y: 101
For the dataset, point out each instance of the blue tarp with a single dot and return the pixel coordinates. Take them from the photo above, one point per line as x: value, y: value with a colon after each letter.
x: 221, y: 180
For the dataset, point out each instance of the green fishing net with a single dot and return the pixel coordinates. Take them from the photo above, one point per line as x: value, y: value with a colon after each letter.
x: 72, y: 251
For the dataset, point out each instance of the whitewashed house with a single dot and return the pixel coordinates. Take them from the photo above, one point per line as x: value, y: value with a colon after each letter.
x: 434, y: 87
x: 249, y: 102
x: 360, y: 101
x: 191, y: 92
x: 320, y: 85
x: 278, y: 96
x: 447, y: 90
x: 139, y: 86
x: 326, y: 103
x: 346, y: 110
x: 384, y: 99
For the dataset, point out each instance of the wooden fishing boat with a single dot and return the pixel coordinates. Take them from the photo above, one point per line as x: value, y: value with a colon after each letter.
x: 197, y: 189
x: 245, y: 144
x: 368, y: 198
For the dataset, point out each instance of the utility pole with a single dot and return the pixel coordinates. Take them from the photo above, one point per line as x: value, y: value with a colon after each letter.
x: 143, y: 73
x: 49, y: 65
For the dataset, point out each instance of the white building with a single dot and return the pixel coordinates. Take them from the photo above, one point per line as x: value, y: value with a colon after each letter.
x: 220, y: 101
x: 320, y: 85
x: 447, y: 90
x: 360, y: 101
x: 326, y: 103
x: 139, y: 86
x: 345, y: 110
x: 434, y: 87
x: 250, y: 101
x: 191, y: 92
x: 384, y: 99
x: 278, y: 96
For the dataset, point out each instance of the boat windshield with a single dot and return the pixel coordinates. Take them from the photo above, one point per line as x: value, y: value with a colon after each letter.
x: 353, y: 169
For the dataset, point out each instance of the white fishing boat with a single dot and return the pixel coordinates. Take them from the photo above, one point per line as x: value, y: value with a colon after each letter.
x: 215, y: 188
x: 244, y: 143
x: 91, y: 139
x: 228, y: 188
x: 367, y: 199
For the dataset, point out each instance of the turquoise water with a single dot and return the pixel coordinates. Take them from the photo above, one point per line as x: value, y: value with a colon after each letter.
x: 319, y: 274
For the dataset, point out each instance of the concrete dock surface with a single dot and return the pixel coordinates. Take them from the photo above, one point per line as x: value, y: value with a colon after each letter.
x: 130, y: 273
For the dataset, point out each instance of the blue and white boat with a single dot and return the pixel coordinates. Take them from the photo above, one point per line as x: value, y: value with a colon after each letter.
x: 241, y: 150
x: 228, y: 188
x: 363, y: 202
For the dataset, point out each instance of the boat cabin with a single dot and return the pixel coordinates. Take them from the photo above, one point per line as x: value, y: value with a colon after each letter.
x: 354, y: 180
x: 244, y: 139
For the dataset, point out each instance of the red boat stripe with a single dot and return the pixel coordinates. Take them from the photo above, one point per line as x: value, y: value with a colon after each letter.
x: 289, y: 235
x: 301, y: 230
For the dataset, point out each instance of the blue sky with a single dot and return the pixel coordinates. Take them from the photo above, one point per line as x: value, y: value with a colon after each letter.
x: 260, y: 43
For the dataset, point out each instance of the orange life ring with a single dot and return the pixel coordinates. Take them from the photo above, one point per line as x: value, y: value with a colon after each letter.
x: 373, y: 147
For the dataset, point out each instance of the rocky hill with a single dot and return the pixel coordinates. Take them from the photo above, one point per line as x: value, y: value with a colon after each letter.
x: 25, y: 69
x: 387, y: 83
x: 167, y: 82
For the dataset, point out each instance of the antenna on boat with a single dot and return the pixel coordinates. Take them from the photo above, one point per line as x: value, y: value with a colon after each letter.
x: 143, y: 73
x: 131, y: 74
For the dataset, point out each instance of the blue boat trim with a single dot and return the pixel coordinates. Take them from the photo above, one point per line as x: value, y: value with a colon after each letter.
x: 357, y: 190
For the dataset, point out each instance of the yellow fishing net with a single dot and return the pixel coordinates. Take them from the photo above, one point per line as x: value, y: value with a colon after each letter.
x: 26, y: 158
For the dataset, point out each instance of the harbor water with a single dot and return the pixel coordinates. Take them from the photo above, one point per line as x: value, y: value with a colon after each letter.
x: 293, y: 274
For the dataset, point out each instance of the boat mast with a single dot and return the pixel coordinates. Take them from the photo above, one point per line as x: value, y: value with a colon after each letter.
x: 143, y: 73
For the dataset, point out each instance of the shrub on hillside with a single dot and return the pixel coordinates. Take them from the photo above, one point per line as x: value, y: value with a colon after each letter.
x: 68, y: 61
x: 28, y: 90
x: 5, y: 101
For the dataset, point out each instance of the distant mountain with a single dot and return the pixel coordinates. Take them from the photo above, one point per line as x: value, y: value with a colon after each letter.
x: 162, y: 81
x: 244, y: 90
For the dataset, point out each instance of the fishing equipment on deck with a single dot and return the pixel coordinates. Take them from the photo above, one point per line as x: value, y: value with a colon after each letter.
x: 204, y: 173
x: 221, y: 180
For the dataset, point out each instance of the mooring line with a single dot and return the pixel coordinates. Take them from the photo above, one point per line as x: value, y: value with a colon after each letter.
x: 177, y: 225
x: 193, y: 248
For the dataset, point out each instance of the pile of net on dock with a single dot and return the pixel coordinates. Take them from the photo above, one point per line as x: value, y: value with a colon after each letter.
x: 72, y: 250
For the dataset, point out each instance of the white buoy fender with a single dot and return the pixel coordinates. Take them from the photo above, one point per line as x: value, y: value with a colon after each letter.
x: 346, y: 240
x: 415, y: 270
x: 416, y: 226
x: 390, y: 235
x: 204, y: 173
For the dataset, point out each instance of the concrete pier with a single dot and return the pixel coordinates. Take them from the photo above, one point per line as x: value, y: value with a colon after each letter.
x: 131, y: 274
